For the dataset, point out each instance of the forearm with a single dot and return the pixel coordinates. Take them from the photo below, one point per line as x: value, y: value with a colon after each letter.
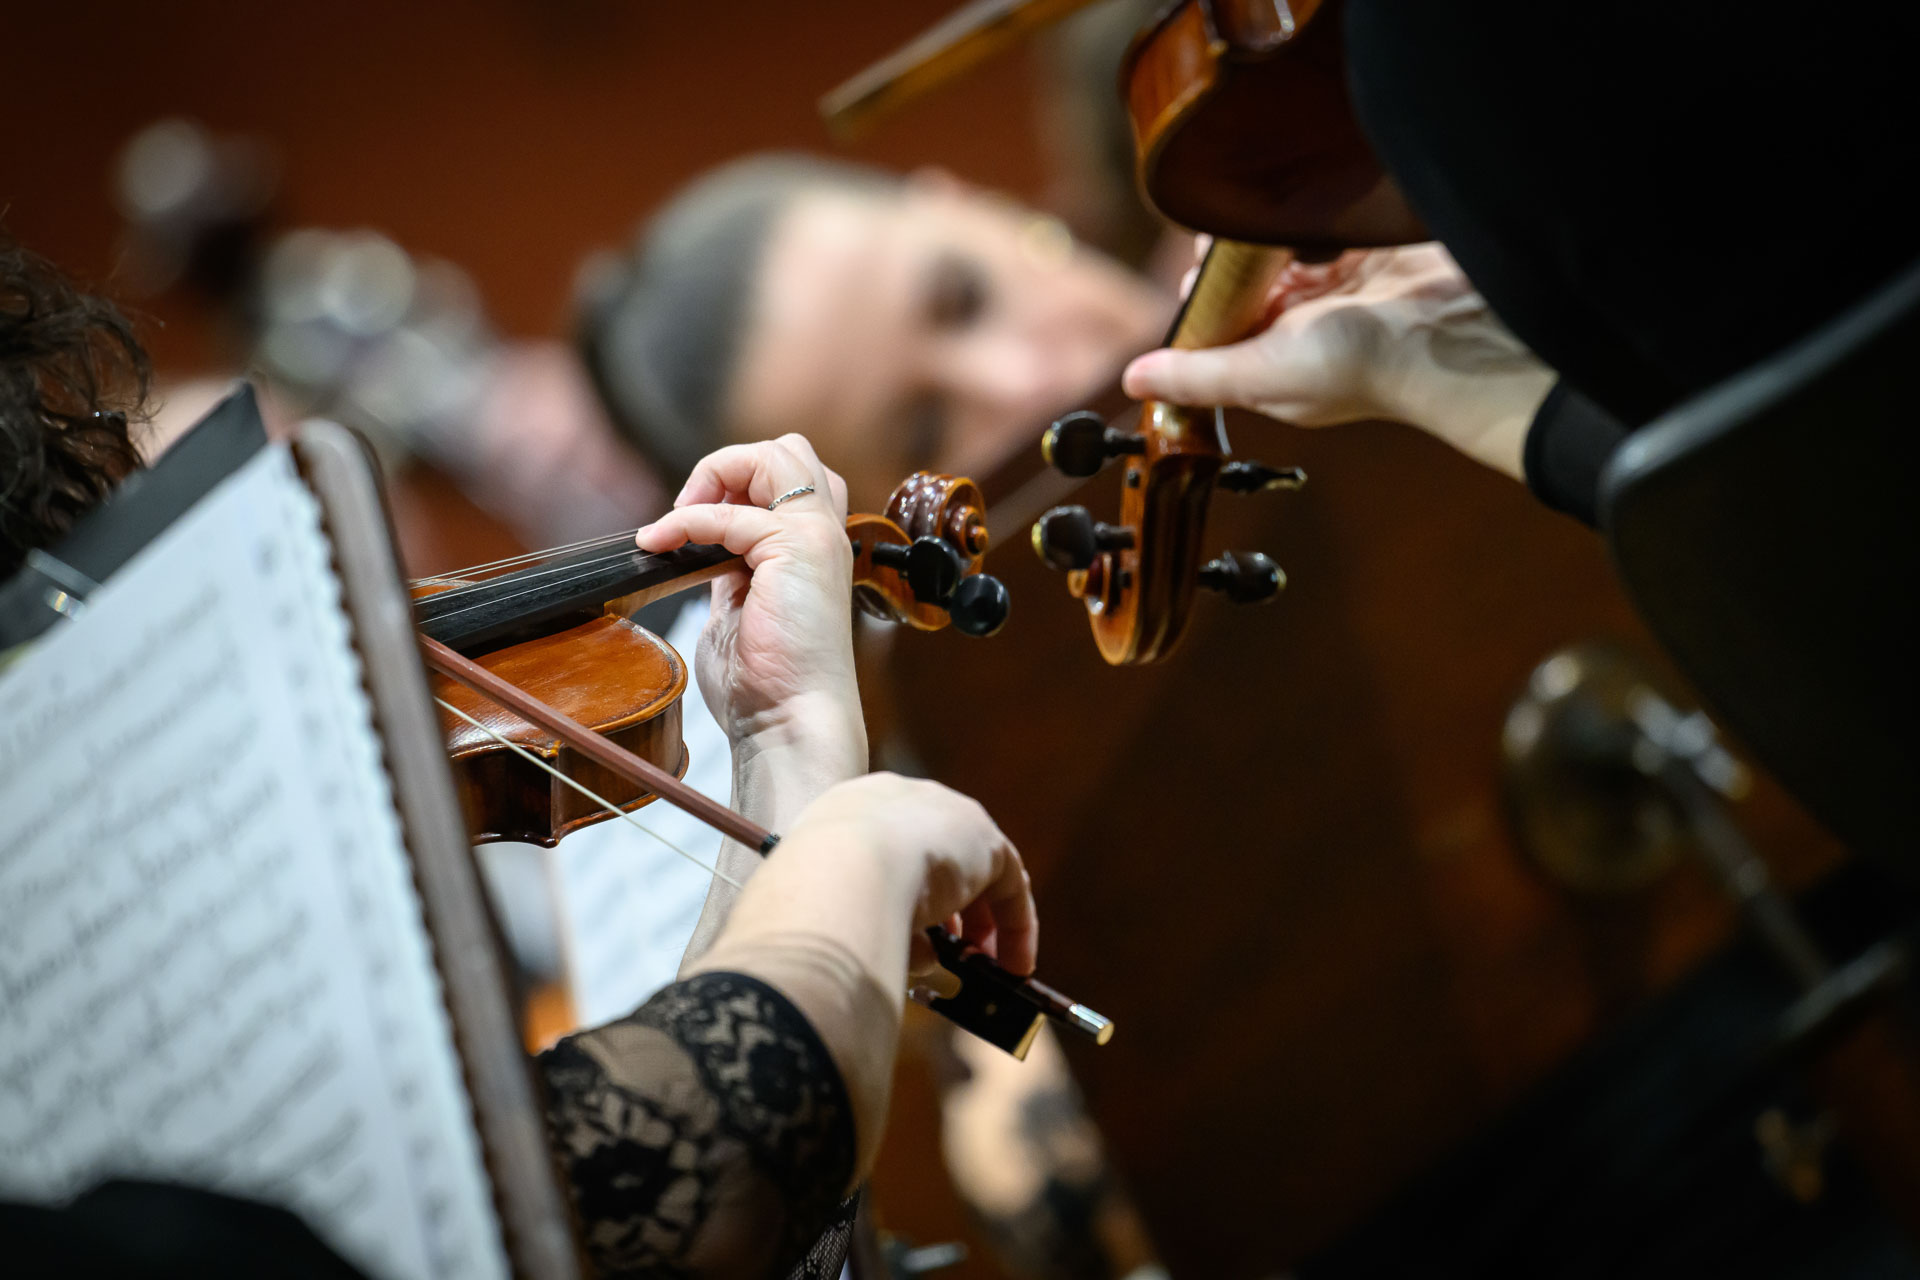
x: 707, y: 1135
x: 777, y: 773
x: 829, y: 925
x: 1464, y: 379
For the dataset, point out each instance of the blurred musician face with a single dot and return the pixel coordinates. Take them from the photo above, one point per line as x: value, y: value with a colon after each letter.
x: 938, y: 327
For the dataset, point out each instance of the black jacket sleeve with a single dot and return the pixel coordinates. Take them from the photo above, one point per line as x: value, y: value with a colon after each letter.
x: 1567, y: 448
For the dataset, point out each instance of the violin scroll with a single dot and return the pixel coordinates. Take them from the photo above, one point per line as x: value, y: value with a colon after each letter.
x: 919, y: 563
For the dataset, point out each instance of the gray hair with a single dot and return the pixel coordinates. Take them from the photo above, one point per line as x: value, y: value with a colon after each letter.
x: 660, y: 325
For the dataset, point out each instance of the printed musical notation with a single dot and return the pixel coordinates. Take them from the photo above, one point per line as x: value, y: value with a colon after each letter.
x: 212, y: 962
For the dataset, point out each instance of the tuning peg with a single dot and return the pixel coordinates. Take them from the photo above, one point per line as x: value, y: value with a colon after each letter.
x: 980, y: 605
x: 932, y: 568
x: 1068, y: 538
x: 1080, y: 444
x: 1244, y: 577
x: 1258, y: 477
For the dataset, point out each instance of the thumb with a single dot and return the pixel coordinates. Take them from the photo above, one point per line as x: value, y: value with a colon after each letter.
x: 1207, y: 377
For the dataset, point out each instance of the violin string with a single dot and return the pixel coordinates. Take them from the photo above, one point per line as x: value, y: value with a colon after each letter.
x: 590, y: 794
x: 533, y: 584
x: 535, y: 578
x: 546, y: 553
x: 532, y: 580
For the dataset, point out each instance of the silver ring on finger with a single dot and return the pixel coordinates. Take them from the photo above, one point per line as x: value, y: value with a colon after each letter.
x: 790, y: 494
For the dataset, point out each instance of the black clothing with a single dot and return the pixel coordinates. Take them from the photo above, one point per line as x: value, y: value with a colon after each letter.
x: 148, y: 1231
x: 1567, y: 448
x: 709, y: 1132
x: 1651, y: 200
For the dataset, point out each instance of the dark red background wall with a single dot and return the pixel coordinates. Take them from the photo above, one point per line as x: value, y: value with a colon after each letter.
x: 506, y: 135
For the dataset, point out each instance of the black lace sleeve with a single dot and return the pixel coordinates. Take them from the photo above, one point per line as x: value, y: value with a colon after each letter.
x: 707, y: 1135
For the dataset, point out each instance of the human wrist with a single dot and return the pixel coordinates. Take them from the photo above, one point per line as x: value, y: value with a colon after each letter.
x: 786, y: 760
x: 828, y: 890
x: 1483, y: 407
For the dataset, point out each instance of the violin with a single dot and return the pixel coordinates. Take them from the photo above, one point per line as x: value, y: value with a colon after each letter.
x: 558, y: 624
x: 1242, y: 129
x: 560, y: 711
x: 1243, y: 124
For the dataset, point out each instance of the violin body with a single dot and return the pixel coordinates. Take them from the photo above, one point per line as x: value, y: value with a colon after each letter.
x: 610, y: 674
x: 1244, y: 128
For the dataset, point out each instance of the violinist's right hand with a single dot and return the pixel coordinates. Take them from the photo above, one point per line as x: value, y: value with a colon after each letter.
x: 776, y: 660
x: 834, y: 918
x: 1397, y: 334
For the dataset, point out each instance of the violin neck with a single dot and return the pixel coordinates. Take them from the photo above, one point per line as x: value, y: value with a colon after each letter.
x: 517, y: 604
x: 1229, y: 295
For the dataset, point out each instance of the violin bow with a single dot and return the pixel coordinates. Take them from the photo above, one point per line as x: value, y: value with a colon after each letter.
x: 959, y: 42
x: 1000, y: 1007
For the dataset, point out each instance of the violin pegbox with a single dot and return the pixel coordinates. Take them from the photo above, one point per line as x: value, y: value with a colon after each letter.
x: 1137, y: 576
x: 920, y: 562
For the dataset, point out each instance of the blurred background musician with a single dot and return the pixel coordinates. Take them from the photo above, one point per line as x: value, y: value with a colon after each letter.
x: 903, y: 322
x: 1633, y: 241
x: 724, y: 1127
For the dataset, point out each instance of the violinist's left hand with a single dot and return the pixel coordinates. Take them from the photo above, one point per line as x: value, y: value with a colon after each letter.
x: 1395, y: 333
x: 776, y: 660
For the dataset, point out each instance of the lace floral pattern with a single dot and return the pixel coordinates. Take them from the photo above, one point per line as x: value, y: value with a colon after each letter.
x: 708, y: 1134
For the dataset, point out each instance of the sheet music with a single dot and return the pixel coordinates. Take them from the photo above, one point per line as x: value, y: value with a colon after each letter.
x: 625, y: 904
x: 212, y: 962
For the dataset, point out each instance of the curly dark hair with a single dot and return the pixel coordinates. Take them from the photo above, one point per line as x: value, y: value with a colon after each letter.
x: 72, y: 374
